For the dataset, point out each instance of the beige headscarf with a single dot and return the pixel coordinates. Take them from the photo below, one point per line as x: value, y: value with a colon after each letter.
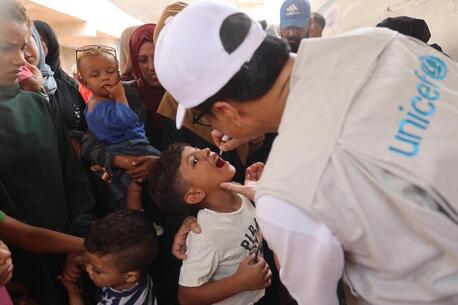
x: 170, y: 10
x: 125, y: 65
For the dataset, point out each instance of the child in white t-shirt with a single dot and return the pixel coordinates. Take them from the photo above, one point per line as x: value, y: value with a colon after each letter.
x: 224, y: 262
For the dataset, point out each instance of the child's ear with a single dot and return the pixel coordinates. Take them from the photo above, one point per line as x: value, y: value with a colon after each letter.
x: 81, y: 80
x: 194, y: 195
x: 132, y: 277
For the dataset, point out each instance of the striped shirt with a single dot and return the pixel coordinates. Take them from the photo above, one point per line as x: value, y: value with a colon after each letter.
x: 142, y: 294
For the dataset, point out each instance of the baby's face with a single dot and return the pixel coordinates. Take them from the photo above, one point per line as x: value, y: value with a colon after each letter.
x: 204, y: 168
x: 98, y: 71
x: 103, y: 271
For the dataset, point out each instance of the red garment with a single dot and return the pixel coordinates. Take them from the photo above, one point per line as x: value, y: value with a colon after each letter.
x: 85, y: 92
x: 151, y: 96
x: 25, y: 73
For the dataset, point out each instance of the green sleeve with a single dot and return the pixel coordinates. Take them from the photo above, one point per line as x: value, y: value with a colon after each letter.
x: 2, y: 216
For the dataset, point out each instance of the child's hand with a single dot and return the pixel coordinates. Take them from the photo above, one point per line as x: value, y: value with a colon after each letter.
x: 36, y: 72
x: 253, y: 276
x: 116, y: 92
x: 75, y: 263
x: 34, y: 83
x: 72, y: 287
x: 73, y: 290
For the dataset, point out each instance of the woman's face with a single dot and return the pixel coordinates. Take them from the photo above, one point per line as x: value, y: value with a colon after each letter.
x: 13, y: 42
x: 32, y: 54
x: 44, y: 46
x: 146, y: 64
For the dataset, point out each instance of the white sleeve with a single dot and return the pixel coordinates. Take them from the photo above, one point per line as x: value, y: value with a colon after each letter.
x: 310, y: 256
x: 201, y: 263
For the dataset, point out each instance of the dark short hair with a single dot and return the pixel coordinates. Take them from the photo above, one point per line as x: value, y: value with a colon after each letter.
x: 128, y: 235
x: 14, y: 11
x: 255, y: 77
x: 167, y: 186
x: 318, y: 19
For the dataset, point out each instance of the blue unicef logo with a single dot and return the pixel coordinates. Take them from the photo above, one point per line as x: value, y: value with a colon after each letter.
x: 417, y: 116
x: 434, y: 67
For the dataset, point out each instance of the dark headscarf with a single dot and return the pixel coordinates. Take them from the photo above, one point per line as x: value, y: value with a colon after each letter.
x: 409, y: 26
x: 413, y: 27
x: 151, y: 96
x: 53, y: 56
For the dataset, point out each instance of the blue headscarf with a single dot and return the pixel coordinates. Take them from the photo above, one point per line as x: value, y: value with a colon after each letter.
x: 49, y: 83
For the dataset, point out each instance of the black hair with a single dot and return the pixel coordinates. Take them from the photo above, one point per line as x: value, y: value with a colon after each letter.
x: 167, y: 186
x: 319, y: 19
x: 255, y: 77
x: 128, y: 235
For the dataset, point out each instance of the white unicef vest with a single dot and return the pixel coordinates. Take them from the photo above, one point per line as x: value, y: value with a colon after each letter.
x: 368, y: 145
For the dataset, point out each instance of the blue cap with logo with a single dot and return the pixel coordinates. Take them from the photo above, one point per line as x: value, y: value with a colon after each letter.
x: 294, y: 13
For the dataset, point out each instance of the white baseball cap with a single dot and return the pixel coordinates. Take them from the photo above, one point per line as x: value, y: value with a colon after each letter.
x: 190, y: 59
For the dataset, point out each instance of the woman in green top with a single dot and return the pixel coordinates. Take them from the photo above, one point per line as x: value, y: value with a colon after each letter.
x: 42, y: 182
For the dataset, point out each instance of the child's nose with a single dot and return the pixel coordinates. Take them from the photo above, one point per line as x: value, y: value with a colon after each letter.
x: 207, y: 151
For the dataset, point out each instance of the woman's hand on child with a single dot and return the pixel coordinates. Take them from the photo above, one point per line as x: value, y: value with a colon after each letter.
x: 179, y: 242
x: 253, y: 275
x: 142, y: 167
x: 6, y: 264
x: 138, y: 168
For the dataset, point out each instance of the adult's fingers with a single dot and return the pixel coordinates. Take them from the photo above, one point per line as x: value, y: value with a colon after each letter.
x: 217, y: 137
x: 247, y: 191
x: 179, y: 251
x: 190, y: 224
x: 232, y: 144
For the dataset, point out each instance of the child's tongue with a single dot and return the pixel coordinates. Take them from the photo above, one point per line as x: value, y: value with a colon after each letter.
x: 219, y: 162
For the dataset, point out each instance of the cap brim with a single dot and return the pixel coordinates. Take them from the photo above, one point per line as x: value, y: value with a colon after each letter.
x: 181, y: 112
x: 296, y: 22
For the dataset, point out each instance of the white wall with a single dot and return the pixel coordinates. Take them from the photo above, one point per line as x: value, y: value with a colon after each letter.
x: 440, y: 15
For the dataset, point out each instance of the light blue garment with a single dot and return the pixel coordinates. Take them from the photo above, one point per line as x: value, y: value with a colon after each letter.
x: 49, y: 83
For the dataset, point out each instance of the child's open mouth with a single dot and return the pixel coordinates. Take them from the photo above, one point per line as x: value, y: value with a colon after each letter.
x: 219, y: 162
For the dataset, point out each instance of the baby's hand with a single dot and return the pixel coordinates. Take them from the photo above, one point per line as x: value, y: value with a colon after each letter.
x: 253, y: 275
x: 116, y: 91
